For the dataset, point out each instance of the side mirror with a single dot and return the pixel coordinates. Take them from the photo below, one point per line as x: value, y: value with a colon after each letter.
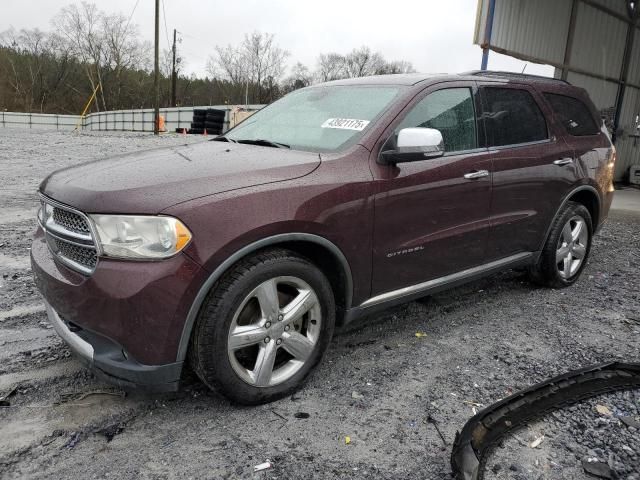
x: 415, y: 144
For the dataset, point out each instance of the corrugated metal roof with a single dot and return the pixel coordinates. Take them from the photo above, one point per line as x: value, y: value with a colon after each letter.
x: 628, y: 147
x: 538, y: 29
x: 619, y: 6
x: 634, y: 66
x: 518, y: 27
x: 481, y: 22
x: 598, y: 44
x: 602, y: 93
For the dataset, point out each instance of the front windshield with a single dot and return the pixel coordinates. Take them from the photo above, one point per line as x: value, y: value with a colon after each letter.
x: 318, y: 119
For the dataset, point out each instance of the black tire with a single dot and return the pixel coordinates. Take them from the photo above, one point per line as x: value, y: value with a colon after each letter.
x: 216, y: 125
x: 196, y: 131
x: 208, y: 352
x: 546, y: 272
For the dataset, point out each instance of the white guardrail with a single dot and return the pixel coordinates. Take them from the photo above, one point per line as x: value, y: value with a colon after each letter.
x: 116, y: 120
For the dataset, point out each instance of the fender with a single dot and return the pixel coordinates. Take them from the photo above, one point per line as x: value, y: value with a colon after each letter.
x: 564, y: 202
x: 243, y: 252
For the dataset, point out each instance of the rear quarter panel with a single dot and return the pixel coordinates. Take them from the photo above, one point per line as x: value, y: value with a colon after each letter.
x: 592, y: 153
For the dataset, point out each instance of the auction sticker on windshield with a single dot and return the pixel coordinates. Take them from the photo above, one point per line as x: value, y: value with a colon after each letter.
x: 346, y: 124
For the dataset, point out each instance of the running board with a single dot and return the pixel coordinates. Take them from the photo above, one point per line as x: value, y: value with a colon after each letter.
x: 406, y: 294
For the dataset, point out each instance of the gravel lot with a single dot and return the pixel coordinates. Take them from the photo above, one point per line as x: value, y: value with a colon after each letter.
x: 377, y: 385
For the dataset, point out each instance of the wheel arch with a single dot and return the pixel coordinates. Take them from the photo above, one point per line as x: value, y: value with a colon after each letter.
x: 321, y: 251
x: 590, y: 199
x: 586, y: 195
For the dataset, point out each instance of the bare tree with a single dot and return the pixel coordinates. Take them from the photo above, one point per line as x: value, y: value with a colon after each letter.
x: 80, y: 25
x: 107, y: 44
x: 28, y: 69
x: 230, y: 63
x: 258, y: 61
x: 362, y: 62
x: 300, y: 77
x: 331, y: 66
x: 399, y: 66
x: 266, y: 61
x: 122, y: 51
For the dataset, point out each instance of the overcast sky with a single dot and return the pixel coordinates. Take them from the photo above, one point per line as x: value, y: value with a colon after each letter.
x: 434, y: 35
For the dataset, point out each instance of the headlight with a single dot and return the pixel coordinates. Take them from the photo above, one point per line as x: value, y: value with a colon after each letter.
x: 44, y: 213
x: 141, y: 237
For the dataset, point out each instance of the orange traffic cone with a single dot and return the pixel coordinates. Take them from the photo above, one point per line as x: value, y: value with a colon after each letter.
x: 205, y: 132
x: 184, y: 132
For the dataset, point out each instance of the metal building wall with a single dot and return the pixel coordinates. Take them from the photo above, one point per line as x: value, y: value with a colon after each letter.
x: 598, y: 44
x: 517, y: 27
x: 589, y: 55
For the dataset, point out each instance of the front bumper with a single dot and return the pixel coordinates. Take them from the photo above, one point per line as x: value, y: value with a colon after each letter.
x: 109, y: 360
x: 126, y: 319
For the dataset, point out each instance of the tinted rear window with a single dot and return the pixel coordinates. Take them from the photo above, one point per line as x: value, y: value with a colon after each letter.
x: 573, y: 114
x: 512, y: 116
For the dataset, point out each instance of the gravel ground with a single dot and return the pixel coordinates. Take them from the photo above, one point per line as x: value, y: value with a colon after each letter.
x: 378, y: 384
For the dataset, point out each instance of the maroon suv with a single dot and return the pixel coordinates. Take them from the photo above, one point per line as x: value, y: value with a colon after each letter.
x: 240, y: 255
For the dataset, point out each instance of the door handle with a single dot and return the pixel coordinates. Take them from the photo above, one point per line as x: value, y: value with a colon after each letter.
x: 563, y: 161
x: 476, y: 174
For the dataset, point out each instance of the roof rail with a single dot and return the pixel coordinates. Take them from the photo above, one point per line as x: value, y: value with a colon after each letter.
x: 496, y: 73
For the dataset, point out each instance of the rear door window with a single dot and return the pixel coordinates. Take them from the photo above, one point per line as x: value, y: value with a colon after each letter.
x: 573, y: 114
x: 511, y: 116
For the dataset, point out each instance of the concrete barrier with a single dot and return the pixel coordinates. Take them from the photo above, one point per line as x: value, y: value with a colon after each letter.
x: 140, y: 120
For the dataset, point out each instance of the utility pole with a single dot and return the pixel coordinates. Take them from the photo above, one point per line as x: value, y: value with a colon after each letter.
x: 156, y: 77
x: 173, y: 72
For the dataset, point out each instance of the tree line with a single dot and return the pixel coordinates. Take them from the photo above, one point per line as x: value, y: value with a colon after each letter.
x: 90, y: 50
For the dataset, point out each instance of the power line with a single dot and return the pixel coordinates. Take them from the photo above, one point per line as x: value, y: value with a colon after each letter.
x: 131, y: 16
x: 166, y: 30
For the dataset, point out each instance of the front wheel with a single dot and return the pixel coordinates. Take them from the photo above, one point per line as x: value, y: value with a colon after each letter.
x: 567, y: 248
x: 264, y: 327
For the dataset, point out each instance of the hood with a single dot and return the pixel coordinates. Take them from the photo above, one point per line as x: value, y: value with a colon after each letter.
x: 152, y: 180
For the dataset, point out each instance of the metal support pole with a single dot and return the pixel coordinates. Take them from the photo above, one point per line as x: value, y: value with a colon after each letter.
x: 626, y: 59
x: 570, y: 35
x: 487, y: 35
x: 173, y: 72
x: 156, y: 76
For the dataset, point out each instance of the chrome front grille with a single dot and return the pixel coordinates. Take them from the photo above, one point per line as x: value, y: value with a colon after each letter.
x: 69, y: 235
x: 85, y: 256
x: 71, y: 221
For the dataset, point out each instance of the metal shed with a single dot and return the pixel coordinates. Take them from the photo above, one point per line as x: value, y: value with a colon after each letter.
x: 594, y: 44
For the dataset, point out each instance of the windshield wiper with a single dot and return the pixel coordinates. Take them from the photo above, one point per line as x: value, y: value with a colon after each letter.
x: 264, y: 143
x: 222, y: 138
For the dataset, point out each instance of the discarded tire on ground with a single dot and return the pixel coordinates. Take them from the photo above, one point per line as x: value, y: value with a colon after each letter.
x: 476, y: 439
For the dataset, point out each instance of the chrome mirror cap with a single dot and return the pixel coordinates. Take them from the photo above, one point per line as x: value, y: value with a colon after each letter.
x: 415, y: 144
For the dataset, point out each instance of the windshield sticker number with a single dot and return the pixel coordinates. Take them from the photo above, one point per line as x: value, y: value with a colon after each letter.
x: 346, y: 124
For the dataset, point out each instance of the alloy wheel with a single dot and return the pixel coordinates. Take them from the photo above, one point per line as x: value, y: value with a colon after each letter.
x: 572, y: 247
x: 274, y: 331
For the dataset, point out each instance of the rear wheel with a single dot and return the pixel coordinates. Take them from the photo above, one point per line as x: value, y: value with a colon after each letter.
x: 567, y: 248
x: 264, y: 327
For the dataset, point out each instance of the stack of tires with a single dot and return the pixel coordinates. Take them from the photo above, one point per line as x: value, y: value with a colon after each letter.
x: 208, y: 119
